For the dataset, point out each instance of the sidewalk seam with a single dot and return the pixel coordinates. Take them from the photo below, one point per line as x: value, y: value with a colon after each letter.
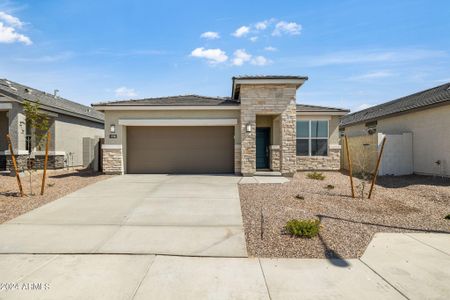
x: 384, y: 279
x: 264, y: 277
x: 142, y: 279
x: 426, y: 244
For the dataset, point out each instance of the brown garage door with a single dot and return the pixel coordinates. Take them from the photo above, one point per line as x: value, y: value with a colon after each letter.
x: 187, y: 149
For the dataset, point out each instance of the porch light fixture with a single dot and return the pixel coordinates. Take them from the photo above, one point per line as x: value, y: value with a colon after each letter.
x: 112, y: 128
x: 248, y: 127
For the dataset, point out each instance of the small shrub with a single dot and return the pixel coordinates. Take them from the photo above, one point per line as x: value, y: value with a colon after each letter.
x: 316, y: 176
x: 298, y: 196
x: 303, y: 228
x: 447, y: 217
x: 329, y: 187
x: 51, y: 184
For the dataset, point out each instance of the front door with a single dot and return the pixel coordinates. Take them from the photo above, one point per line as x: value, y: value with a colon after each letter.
x: 262, y: 148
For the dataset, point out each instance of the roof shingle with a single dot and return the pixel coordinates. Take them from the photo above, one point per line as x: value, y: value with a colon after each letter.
x: 423, y: 99
x: 181, y: 100
x: 21, y: 92
x: 315, y: 108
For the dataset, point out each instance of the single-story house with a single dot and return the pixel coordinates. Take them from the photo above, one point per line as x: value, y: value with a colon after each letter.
x: 70, y: 122
x: 259, y: 128
x: 425, y: 116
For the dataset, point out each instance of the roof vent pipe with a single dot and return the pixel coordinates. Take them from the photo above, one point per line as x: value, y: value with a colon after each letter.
x: 55, y: 93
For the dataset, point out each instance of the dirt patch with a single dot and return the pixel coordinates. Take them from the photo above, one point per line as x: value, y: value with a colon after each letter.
x: 399, y: 204
x: 58, y: 184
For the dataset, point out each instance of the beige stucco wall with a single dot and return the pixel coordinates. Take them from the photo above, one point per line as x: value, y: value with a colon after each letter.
x: 431, y: 137
x: 17, y: 127
x: 69, y: 133
x: 112, y: 117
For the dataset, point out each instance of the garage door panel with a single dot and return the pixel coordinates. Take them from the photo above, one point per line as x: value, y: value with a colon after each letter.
x: 188, y: 149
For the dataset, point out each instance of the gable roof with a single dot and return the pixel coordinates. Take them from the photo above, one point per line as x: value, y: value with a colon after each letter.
x: 419, y: 100
x: 270, y: 77
x: 315, y: 108
x: 49, y: 102
x: 181, y: 100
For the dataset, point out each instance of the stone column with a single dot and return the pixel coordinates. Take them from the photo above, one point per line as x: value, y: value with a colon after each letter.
x: 275, y: 157
x: 248, y: 140
x: 288, y: 140
x: 112, y: 159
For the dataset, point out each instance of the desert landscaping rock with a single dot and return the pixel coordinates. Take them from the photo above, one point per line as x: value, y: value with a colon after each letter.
x: 399, y: 204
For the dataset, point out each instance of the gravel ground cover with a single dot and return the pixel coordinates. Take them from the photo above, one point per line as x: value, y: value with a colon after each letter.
x: 58, y: 184
x: 399, y: 204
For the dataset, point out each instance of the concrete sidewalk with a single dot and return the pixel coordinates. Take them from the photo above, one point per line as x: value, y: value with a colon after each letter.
x: 395, y: 266
x: 194, y: 215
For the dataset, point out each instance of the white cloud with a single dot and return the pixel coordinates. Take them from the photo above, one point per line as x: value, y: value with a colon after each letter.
x: 260, y: 61
x: 262, y: 25
x: 123, y: 91
x: 47, y: 58
x: 270, y: 49
x: 241, y: 31
x: 371, y: 56
x: 9, y: 35
x: 11, y: 20
x: 240, y: 57
x: 210, y: 35
x: 362, y: 106
x: 213, y: 56
x: 290, y: 28
x: 373, y: 75
x: 254, y: 39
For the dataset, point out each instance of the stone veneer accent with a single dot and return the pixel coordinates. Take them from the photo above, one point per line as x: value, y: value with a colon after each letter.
x: 275, y: 157
x: 112, y: 161
x: 6, y: 162
x: 237, y: 159
x: 54, y: 162
x: 330, y: 162
x: 260, y: 99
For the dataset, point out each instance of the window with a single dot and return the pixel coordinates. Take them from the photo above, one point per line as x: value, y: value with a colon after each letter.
x: 312, y: 138
x: 28, y: 137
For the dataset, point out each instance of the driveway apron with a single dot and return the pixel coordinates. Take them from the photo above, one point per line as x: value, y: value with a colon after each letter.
x: 186, y: 215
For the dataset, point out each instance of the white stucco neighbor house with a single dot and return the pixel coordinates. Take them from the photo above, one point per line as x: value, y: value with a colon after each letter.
x: 259, y: 128
x: 70, y: 123
x: 419, y: 127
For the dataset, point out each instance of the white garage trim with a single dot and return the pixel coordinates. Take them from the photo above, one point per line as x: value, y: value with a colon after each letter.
x: 111, y: 146
x: 178, y: 122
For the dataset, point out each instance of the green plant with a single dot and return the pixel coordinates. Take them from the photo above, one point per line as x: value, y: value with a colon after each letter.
x: 303, y: 228
x: 329, y: 187
x: 316, y: 176
x: 38, y: 124
x: 298, y: 196
x: 447, y: 217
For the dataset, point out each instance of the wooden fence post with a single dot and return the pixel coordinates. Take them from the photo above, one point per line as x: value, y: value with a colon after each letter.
x: 375, y: 173
x: 45, y: 163
x: 13, y: 158
x: 349, y: 166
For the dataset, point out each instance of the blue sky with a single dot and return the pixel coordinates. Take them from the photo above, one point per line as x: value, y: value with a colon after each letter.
x: 355, y: 53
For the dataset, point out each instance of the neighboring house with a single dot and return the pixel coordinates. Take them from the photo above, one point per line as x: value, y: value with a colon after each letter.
x: 70, y: 123
x: 259, y: 128
x: 424, y: 115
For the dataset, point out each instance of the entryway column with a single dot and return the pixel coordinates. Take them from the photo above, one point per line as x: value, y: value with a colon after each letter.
x: 288, y: 140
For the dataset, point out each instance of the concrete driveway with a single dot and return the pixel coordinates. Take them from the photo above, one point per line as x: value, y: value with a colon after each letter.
x: 193, y: 215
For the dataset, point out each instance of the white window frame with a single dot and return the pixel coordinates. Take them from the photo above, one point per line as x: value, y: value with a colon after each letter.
x: 310, y: 138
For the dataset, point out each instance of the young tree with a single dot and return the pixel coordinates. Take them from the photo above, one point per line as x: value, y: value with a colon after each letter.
x: 39, y: 124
